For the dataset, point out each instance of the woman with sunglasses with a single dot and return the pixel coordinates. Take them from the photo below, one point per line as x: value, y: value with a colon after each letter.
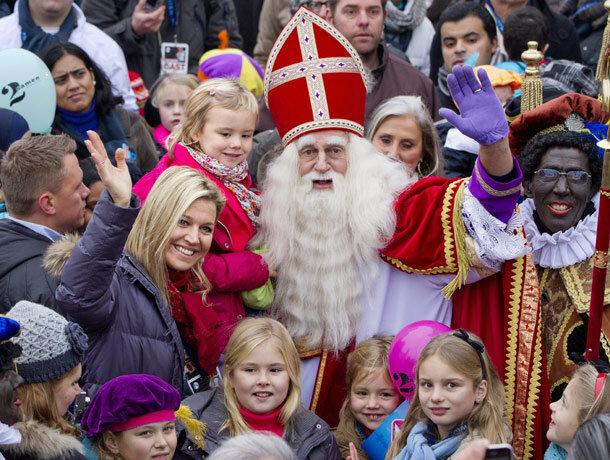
x: 562, y: 168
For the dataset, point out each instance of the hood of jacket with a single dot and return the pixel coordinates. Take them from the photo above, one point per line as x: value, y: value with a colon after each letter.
x: 58, y: 253
x: 43, y: 442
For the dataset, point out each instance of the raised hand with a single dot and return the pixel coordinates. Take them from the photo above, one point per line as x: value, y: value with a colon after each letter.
x: 146, y: 22
x: 481, y: 116
x: 116, y: 179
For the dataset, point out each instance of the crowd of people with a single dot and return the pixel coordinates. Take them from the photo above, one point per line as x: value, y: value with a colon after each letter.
x: 241, y: 203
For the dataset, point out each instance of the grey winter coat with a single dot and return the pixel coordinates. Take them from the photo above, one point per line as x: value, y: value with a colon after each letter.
x: 199, y: 23
x: 106, y: 290
x: 22, y: 276
x: 312, y: 439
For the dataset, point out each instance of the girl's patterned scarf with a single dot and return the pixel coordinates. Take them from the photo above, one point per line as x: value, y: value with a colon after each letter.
x: 231, y: 178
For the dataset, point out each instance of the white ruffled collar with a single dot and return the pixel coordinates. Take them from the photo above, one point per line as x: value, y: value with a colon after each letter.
x: 561, y: 249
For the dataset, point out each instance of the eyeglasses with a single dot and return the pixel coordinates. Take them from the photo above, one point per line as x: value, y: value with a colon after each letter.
x: 315, y: 6
x: 550, y: 176
x: 332, y: 154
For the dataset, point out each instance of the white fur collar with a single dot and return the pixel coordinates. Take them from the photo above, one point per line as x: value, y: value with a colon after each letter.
x: 561, y: 249
x: 43, y: 442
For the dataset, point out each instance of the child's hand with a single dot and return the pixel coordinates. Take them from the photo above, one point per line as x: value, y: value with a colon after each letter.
x: 272, y: 270
x: 116, y: 179
x: 353, y: 453
x: 476, y: 450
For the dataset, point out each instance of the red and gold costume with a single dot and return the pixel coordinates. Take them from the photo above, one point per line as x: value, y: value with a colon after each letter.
x: 314, y: 80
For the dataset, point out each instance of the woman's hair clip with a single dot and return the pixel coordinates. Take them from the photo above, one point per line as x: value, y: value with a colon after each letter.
x: 599, y: 383
x: 212, y: 92
x: 478, y: 347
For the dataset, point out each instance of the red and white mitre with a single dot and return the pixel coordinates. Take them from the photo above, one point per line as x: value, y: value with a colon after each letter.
x: 314, y: 79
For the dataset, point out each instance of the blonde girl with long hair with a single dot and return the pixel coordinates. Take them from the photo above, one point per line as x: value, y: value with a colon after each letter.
x: 215, y: 138
x: 371, y: 395
x: 458, y: 397
x: 261, y: 391
x: 121, y: 280
x: 586, y: 395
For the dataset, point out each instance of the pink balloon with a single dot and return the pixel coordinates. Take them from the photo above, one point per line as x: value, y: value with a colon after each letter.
x: 405, y: 350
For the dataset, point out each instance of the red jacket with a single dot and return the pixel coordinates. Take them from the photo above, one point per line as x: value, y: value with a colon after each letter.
x: 228, y: 266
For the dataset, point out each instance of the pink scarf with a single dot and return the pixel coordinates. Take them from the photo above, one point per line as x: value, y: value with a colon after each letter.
x: 231, y: 178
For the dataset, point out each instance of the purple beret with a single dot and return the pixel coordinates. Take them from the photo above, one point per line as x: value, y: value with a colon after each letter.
x: 129, y: 401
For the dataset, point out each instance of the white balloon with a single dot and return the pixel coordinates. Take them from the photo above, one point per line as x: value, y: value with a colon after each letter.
x: 26, y: 87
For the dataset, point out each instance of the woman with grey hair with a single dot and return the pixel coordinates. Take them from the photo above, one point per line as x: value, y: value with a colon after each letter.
x: 254, y: 446
x: 592, y: 440
x: 401, y: 127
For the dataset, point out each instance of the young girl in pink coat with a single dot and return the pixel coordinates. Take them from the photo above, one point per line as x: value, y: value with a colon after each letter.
x: 215, y: 137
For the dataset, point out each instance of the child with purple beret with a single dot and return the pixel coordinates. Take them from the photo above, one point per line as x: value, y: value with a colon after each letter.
x: 133, y: 417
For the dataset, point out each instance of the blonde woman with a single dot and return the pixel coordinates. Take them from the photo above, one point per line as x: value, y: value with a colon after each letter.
x: 121, y: 284
x: 215, y: 138
x: 402, y: 128
x: 261, y: 392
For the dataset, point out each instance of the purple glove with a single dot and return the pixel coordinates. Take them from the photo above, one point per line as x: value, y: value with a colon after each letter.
x: 482, y: 116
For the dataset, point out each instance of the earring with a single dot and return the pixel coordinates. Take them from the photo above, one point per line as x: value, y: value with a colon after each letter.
x: 478, y: 401
x: 419, y: 169
x: 94, y: 82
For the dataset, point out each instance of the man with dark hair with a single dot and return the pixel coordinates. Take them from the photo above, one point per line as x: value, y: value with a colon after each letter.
x: 465, y: 33
x: 524, y: 25
x: 45, y: 197
x: 529, y: 23
x: 563, y: 39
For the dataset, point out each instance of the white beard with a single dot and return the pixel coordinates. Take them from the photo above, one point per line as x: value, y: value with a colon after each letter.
x: 325, y: 243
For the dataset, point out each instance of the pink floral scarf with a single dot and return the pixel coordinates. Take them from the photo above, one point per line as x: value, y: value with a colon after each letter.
x: 231, y: 178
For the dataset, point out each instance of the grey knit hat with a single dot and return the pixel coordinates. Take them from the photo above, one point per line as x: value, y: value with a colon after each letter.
x: 51, y: 345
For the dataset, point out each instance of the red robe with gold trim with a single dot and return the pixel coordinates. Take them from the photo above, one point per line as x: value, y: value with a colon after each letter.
x: 502, y: 309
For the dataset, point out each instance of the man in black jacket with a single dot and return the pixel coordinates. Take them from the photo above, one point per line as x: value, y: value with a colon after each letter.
x: 563, y: 39
x: 140, y: 28
x: 45, y: 197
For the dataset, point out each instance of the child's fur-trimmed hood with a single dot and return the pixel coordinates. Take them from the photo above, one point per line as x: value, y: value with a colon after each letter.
x: 43, y: 442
